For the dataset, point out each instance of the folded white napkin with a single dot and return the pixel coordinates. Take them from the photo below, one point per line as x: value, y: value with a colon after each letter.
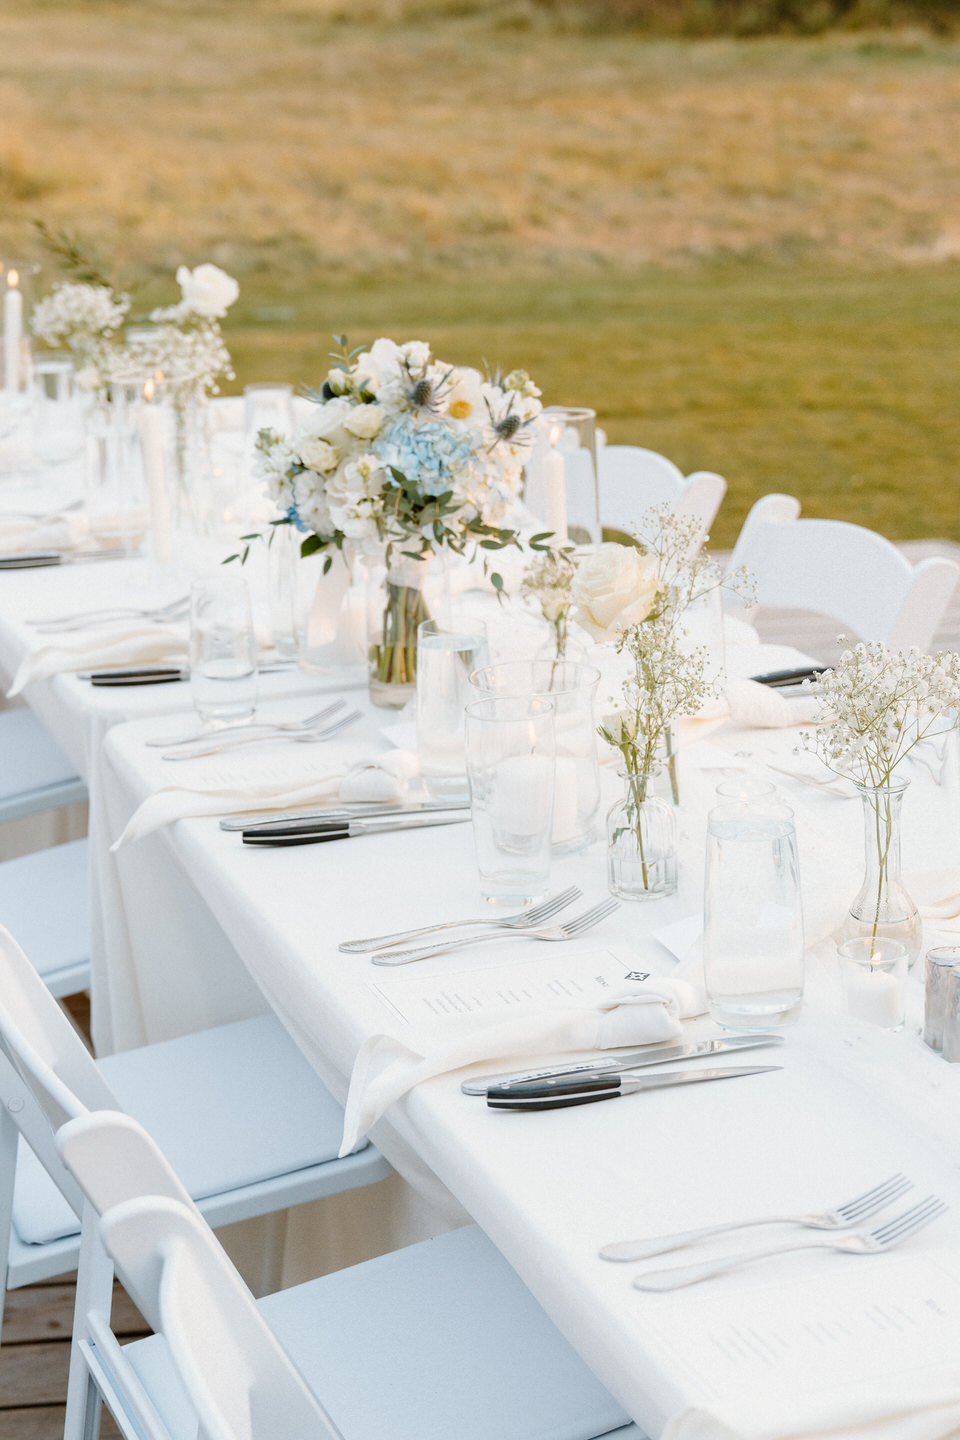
x: 759, y: 707
x: 387, y: 1067
x: 141, y: 642
x: 385, y: 777
x: 56, y: 532
x: 899, y: 1410
x: 937, y: 894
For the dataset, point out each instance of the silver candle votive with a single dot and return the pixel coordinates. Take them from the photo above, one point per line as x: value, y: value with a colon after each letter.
x: 938, y: 966
x: 951, y: 1016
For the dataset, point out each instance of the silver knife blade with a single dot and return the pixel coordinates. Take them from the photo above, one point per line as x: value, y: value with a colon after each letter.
x: 36, y: 559
x: 350, y: 829
x: 620, y: 1063
x: 542, y: 1098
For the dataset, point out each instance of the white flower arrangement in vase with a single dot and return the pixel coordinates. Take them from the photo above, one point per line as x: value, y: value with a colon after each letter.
x: 403, y: 456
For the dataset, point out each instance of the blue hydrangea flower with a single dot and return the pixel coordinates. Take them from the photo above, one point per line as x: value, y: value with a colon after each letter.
x: 293, y: 515
x: 432, y: 453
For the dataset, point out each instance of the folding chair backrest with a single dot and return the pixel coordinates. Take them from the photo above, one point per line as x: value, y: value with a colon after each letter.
x: 633, y: 480
x: 47, y: 1075
x: 845, y: 571
x: 238, y: 1377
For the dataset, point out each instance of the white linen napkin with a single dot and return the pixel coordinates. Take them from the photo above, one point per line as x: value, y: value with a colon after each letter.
x: 384, y: 777
x: 59, y: 531
x: 753, y: 706
x: 142, y: 642
x: 896, y: 1411
x: 387, y: 1067
x: 937, y: 893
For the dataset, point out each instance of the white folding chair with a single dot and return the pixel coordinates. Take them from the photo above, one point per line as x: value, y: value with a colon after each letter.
x: 845, y: 571
x: 436, y: 1341
x: 247, y: 1123
x: 36, y: 776
x: 632, y: 480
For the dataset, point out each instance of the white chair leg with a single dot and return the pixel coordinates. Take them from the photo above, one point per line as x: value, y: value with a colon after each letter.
x: 94, y: 1294
x: 9, y: 1136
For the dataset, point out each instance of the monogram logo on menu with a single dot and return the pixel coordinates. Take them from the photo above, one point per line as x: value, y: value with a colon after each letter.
x: 637, y: 975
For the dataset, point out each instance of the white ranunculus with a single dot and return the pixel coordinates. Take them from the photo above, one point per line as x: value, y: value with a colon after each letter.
x: 364, y: 421
x: 613, y: 588
x: 208, y: 290
x: 320, y: 455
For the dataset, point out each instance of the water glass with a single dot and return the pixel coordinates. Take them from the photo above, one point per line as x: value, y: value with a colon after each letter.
x: 572, y: 687
x: 746, y: 789
x: 874, y: 973
x: 510, y: 762
x: 57, y: 410
x: 753, y: 921
x: 223, y: 650
x: 446, y: 658
x: 114, y: 485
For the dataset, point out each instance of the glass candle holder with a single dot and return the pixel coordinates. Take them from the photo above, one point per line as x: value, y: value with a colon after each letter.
x: 939, y: 963
x: 746, y: 789
x: 874, y: 974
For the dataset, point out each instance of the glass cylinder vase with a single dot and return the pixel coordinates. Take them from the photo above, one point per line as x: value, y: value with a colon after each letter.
x: 882, y: 906
x: 641, y: 841
x: 398, y: 602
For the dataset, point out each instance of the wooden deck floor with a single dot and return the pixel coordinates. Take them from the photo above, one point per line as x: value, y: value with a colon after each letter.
x: 36, y: 1331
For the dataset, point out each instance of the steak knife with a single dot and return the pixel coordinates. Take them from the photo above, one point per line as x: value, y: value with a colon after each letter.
x: 155, y: 674
x: 348, y: 829
x: 778, y: 679
x: 278, y: 829
x: 585, y: 1089
x: 610, y: 1064
x: 36, y: 559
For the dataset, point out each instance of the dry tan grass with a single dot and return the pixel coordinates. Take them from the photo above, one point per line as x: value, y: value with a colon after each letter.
x: 275, y: 135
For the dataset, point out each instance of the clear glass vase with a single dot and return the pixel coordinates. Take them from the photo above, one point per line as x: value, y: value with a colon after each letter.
x: 641, y: 841
x: 882, y: 907
x: 398, y: 602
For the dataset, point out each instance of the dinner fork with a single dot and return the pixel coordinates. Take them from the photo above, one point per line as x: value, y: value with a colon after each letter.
x: 579, y: 925
x: 544, y: 911
x: 841, y: 1217
x: 80, y: 620
x: 307, y: 737
x: 247, y: 727
x: 860, y: 1242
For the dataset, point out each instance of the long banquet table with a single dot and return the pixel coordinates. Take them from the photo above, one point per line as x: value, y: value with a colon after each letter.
x: 197, y: 928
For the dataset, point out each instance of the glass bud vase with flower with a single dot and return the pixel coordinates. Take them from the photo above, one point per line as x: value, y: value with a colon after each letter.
x: 641, y: 840
x: 879, y: 705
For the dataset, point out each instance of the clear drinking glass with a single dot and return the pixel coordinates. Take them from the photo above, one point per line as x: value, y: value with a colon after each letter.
x: 874, y: 971
x: 57, y: 410
x: 573, y: 688
x: 753, y: 922
x: 746, y: 789
x: 223, y: 650
x: 446, y: 657
x: 510, y: 762
x: 114, y: 490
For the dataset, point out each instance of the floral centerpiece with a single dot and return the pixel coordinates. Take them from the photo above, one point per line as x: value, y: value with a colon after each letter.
x: 640, y: 597
x: 404, y: 456
x: 87, y: 320
x: 878, y: 707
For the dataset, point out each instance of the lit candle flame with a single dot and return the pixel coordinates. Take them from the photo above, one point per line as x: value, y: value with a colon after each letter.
x: 13, y: 278
x: 148, y: 390
x: 555, y: 432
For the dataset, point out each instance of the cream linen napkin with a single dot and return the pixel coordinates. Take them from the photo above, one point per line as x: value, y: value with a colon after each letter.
x: 387, y: 1067
x: 895, y: 1411
x: 758, y: 707
x: 385, y: 777
x: 937, y: 893
x: 56, y: 532
x: 141, y: 643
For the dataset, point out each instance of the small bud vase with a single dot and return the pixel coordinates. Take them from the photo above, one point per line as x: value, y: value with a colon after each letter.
x: 882, y: 907
x: 641, y: 841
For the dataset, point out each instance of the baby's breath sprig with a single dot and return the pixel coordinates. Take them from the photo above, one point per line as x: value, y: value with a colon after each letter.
x: 548, y: 580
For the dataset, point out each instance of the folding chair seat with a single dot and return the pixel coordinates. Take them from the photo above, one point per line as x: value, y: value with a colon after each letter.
x: 35, y: 775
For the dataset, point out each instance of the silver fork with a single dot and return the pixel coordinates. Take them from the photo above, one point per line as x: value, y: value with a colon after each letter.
x: 306, y: 737
x: 579, y: 925
x: 861, y: 1242
x: 544, y: 911
x: 841, y: 1217
x: 247, y: 728
x: 80, y: 620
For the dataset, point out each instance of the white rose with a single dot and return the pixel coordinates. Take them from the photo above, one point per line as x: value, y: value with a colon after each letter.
x: 319, y: 455
x: 208, y: 290
x: 613, y: 588
x: 364, y: 421
x: 325, y: 423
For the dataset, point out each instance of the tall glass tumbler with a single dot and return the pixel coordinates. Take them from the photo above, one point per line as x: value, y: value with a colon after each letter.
x: 510, y: 762
x: 446, y: 658
x: 223, y: 650
x: 572, y: 687
x: 114, y: 483
x: 753, y: 930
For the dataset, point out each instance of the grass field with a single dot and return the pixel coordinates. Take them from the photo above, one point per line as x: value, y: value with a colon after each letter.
x: 744, y: 253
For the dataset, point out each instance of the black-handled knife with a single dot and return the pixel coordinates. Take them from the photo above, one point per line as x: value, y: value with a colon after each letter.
x: 778, y: 678
x: 585, y: 1089
x: 37, y: 559
x: 150, y: 675
x: 315, y: 824
x: 349, y: 829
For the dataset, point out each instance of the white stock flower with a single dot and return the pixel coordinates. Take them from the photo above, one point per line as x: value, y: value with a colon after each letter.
x: 207, y: 290
x: 613, y: 588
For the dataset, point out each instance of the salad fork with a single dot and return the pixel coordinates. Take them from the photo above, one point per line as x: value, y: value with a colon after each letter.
x: 306, y: 737
x: 81, y: 619
x: 860, y: 1242
x: 247, y: 728
x: 579, y: 925
x: 544, y: 911
x: 841, y: 1217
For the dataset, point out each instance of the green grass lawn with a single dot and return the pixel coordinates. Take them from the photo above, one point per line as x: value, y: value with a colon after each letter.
x: 839, y: 387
